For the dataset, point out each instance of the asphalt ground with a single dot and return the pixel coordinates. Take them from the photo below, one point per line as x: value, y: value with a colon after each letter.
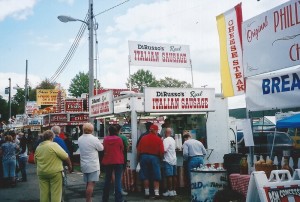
x: 75, y: 191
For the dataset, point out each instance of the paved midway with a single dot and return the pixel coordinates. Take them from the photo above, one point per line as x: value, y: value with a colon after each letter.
x: 75, y: 192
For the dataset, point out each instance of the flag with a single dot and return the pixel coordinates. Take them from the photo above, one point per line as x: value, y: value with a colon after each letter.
x: 231, y: 64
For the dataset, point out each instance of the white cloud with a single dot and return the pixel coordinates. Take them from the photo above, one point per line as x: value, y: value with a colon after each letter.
x: 190, y: 23
x: 44, y: 42
x: 16, y: 79
x: 70, y: 2
x: 17, y: 9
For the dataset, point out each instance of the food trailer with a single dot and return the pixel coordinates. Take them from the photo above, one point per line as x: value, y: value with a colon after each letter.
x: 195, y: 110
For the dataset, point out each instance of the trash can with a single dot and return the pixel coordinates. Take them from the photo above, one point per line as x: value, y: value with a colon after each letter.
x: 205, y: 184
x: 232, y: 162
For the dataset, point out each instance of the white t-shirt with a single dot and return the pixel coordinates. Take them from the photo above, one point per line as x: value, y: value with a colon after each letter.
x: 89, y: 146
x: 170, y: 153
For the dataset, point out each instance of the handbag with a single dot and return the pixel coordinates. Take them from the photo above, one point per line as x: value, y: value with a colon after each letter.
x: 31, y: 158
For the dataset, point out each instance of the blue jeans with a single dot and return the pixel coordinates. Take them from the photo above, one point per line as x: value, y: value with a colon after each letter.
x: 193, y: 162
x: 150, y: 167
x: 118, y: 169
x: 22, y: 166
x: 9, y: 168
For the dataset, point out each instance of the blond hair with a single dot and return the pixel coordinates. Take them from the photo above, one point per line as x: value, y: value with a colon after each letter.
x: 87, y: 128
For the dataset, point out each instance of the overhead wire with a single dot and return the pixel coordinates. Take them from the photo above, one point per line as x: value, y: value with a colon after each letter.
x: 111, y: 8
x: 71, y: 51
x: 75, y: 44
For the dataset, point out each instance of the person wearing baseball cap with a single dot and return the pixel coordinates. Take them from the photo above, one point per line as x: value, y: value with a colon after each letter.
x: 150, y: 151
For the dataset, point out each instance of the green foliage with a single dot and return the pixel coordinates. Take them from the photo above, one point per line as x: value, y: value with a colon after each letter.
x: 45, y: 84
x: 80, y: 84
x: 174, y: 83
x: 3, y: 109
x: 18, y: 102
x: 144, y: 78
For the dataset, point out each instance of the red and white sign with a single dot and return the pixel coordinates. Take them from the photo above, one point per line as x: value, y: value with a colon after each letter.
x: 158, y: 54
x: 73, y: 106
x: 101, y: 104
x: 271, y: 39
x: 31, y: 106
x: 58, y: 118
x: 79, y: 117
x: 282, y: 193
x: 179, y: 99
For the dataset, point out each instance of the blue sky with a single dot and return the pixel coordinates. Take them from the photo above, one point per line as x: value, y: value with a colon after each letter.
x: 29, y: 29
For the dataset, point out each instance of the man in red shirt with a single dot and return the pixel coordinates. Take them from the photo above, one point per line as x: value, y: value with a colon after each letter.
x: 150, y: 152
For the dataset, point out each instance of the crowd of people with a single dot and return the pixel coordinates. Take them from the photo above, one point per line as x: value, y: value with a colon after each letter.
x: 156, y: 155
x: 14, y: 150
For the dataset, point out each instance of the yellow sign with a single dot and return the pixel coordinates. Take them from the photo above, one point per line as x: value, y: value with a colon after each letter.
x: 47, y: 96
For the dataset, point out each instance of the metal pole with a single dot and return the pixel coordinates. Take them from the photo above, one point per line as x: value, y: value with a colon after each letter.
x: 9, y: 98
x: 192, y: 73
x: 26, y: 87
x: 129, y: 72
x: 91, y: 52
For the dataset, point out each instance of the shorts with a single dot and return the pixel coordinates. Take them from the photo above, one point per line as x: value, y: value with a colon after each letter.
x: 150, y: 167
x: 91, y: 177
x: 170, y: 170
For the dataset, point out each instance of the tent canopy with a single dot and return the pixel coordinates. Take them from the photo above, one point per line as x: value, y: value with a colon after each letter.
x: 289, y: 122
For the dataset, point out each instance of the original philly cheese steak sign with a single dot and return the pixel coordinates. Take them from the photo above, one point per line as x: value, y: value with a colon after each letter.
x: 179, y: 99
x: 101, y: 104
x: 159, y: 55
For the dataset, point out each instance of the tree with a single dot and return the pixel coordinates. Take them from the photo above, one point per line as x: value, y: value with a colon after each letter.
x: 18, y: 102
x: 170, y: 82
x: 142, y: 79
x: 3, y: 109
x: 45, y: 84
x: 80, y: 84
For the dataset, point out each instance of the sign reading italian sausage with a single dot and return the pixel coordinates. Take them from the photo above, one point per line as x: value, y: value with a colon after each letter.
x: 101, y: 104
x: 179, y: 99
x: 157, y: 54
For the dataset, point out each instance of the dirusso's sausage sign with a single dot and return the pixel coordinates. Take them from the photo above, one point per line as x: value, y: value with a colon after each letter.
x: 157, y: 54
x: 101, y: 104
x: 179, y: 99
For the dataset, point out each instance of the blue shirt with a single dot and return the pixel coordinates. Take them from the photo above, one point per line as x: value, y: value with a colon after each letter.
x: 9, y: 151
x: 61, y: 143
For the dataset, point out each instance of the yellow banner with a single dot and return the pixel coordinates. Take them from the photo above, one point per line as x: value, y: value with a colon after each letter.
x: 47, y: 96
x: 231, y: 65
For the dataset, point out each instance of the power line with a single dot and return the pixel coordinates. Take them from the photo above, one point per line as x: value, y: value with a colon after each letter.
x: 111, y: 8
x: 75, y: 44
x: 71, y: 52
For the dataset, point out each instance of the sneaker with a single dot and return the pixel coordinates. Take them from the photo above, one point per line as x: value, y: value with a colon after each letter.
x: 168, y: 193
x: 124, y: 193
x: 174, y: 193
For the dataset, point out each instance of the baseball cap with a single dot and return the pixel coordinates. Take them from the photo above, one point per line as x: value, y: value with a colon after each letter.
x: 153, y: 127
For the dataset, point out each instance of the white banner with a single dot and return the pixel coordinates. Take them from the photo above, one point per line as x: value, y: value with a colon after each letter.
x: 179, y: 99
x: 101, y: 104
x: 273, y: 91
x: 157, y: 54
x: 271, y: 40
x: 31, y: 106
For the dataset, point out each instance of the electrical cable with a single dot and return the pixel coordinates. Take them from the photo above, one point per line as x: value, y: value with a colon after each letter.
x: 71, y: 51
x: 111, y: 8
x: 75, y: 44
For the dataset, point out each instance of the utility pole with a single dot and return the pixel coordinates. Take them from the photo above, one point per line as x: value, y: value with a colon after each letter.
x: 91, y: 50
x: 26, y: 87
x: 9, y: 99
x: 91, y: 53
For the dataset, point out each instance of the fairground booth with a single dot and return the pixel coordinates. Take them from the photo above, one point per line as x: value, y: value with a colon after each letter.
x: 195, y: 110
